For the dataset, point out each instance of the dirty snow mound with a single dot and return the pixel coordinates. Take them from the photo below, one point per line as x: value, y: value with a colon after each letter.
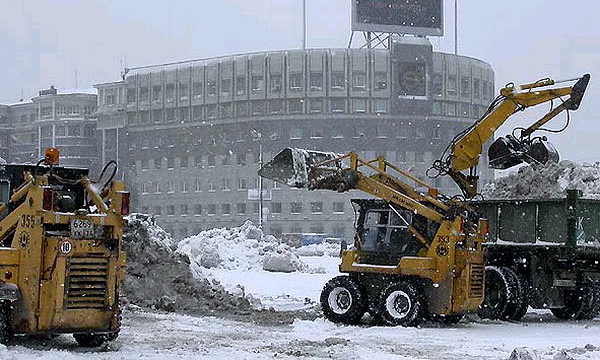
x: 546, y: 181
x: 240, y: 248
x: 158, y: 277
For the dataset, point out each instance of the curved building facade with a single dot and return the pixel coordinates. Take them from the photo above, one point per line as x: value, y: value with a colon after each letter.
x: 190, y: 136
x: 64, y: 120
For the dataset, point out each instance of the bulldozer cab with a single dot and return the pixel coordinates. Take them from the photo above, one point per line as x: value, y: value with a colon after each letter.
x: 382, y: 232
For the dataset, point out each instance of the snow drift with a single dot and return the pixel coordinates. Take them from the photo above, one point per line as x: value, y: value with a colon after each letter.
x: 158, y: 277
x: 546, y: 181
x: 240, y: 248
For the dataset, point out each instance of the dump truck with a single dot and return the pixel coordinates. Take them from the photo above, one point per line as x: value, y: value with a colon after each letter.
x: 415, y: 255
x: 544, y: 254
x: 61, y: 257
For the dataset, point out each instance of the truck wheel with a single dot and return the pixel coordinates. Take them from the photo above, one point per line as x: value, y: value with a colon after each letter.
x: 580, y: 304
x: 523, y: 298
x: 4, y: 321
x: 497, y: 294
x: 342, y: 300
x: 517, y: 302
x: 401, y: 304
x: 90, y: 339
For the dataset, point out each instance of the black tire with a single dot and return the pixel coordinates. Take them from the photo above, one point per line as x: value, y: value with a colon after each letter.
x: 581, y: 304
x: 447, y: 319
x: 4, y: 322
x: 496, y: 296
x: 90, y: 339
x: 342, y: 300
x: 516, y: 296
x: 524, y: 296
x: 401, y: 303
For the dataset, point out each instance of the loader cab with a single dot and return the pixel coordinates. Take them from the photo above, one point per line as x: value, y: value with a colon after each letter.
x: 382, y: 233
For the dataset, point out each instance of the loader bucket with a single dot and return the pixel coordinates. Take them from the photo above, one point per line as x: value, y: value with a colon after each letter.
x: 577, y: 92
x: 502, y: 155
x: 292, y: 166
x: 505, y: 153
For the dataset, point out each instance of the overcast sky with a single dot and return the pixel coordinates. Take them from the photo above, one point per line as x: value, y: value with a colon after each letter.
x: 61, y: 42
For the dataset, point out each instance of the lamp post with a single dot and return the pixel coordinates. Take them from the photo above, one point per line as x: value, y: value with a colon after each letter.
x: 258, y: 137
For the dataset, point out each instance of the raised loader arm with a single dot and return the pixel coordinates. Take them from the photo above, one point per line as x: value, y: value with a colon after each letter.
x: 465, y: 149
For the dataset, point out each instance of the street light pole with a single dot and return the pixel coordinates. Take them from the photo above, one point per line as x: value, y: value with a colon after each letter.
x: 260, y: 190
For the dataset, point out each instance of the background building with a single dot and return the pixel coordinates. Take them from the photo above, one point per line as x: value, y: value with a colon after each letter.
x: 65, y: 120
x: 189, y: 136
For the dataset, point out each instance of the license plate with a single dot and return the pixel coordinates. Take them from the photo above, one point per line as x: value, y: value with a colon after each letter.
x: 82, y: 229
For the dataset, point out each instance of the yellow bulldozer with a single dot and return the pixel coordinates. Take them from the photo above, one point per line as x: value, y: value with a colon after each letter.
x: 61, y: 258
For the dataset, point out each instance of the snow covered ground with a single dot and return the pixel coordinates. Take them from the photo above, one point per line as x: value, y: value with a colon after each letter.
x: 160, y: 335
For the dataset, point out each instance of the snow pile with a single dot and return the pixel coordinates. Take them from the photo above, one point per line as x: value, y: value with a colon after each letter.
x: 240, y: 248
x: 322, y: 249
x: 546, y: 181
x: 158, y: 277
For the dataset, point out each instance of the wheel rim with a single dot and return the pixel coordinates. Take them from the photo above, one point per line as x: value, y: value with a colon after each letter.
x: 398, y: 304
x: 340, y: 300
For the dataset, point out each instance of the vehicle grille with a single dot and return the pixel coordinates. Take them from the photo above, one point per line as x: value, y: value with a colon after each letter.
x: 86, y: 283
x: 476, y: 288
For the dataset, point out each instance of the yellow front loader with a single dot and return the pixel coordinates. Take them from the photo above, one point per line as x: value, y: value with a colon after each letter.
x: 415, y: 255
x: 61, y: 258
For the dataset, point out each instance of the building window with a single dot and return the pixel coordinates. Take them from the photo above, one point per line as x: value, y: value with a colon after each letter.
x: 211, y: 160
x: 131, y: 96
x: 401, y: 156
x: 295, y: 207
x: 144, y: 164
x: 436, y: 132
x: 296, y: 82
x: 157, y: 163
x: 157, y: 116
x: 211, y: 209
x: 171, y: 210
x: 183, y: 210
x: 381, y: 82
x: 183, y: 163
x: 226, y: 110
x: 276, y: 84
x: 144, y: 116
x: 211, y: 186
x: 170, y: 93
x: 475, y: 111
x: 255, y: 208
x: 258, y: 83
x: 146, y: 187
x: 198, y: 185
x: 240, y: 85
x: 465, y: 86
x: 316, y: 106
x: 436, y: 108
x: 316, y: 207
x: 358, y: 132
x: 295, y: 133
x: 476, y: 88
x: 464, y: 109
x: 242, y: 184
x: 226, y: 186
x: 296, y: 106
x: 438, y: 85
x: 197, y: 90
x: 338, y: 80
x: 276, y: 208
x: 211, y: 87
x: 276, y: 106
x: 359, y: 105
x: 144, y: 96
x: 380, y: 106
x: 451, y: 109
x: 184, y: 91
x: 211, y: 111
x: 451, y: 85
x: 157, y: 210
x: 156, y: 187
x: 338, y: 207
x: 315, y: 133
x: 241, y: 208
x: 242, y: 109
x: 412, y: 80
x: 197, y: 209
x: 226, y: 209
x: 258, y: 107
x: 170, y: 187
x: 316, y: 81
x: 170, y: 163
x: 226, y: 87
x: 197, y: 112
x: 359, y: 80
x: 184, y: 186
x: 338, y: 105
x: 170, y: 115
x: 241, y: 159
